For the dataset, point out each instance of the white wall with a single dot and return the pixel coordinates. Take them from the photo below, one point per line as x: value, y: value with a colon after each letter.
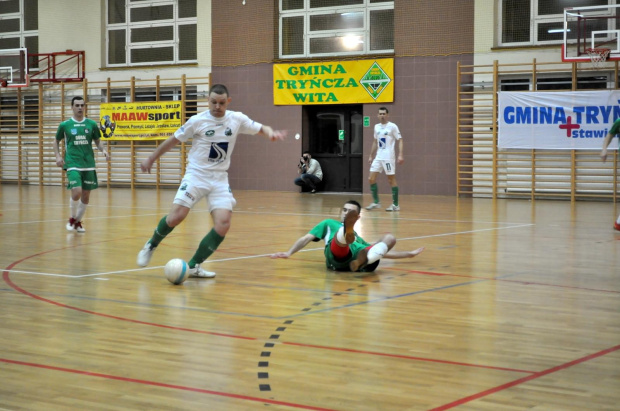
x: 69, y: 24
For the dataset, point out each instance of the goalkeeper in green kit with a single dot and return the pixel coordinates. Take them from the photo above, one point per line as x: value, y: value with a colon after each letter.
x: 79, y: 161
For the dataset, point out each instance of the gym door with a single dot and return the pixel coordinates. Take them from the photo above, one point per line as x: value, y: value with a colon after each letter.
x: 336, y: 141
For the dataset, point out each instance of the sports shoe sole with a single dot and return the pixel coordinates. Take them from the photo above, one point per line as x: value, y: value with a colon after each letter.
x: 349, y: 223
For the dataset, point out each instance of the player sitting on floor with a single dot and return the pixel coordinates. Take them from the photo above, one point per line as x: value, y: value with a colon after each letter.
x: 344, y: 249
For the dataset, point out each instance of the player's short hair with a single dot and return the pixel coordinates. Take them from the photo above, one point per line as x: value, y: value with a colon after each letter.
x: 356, y: 204
x: 384, y: 108
x: 76, y: 98
x: 219, y: 89
x: 306, y: 152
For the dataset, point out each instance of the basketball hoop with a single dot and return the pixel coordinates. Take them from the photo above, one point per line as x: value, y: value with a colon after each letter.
x: 598, y: 55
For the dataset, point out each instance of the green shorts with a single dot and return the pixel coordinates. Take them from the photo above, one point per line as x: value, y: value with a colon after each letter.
x: 85, y: 179
x: 343, y: 265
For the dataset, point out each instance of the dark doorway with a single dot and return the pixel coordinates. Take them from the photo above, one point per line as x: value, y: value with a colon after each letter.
x: 335, y: 139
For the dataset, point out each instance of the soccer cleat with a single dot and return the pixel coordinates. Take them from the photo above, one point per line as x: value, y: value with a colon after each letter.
x: 71, y: 224
x: 198, y: 272
x: 616, y: 226
x: 393, y: 208
x: 349, y: 222
x: 144, y: 256
x: 360, y: 261
x: 78, y: 227
x: 373, y: 205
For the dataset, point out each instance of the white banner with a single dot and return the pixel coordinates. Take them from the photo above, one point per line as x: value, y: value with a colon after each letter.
x: 575, y: 120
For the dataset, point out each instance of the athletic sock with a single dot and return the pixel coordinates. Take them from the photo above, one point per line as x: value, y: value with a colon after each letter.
x: 618, y: 220
x: 375, y: 193
x: 162, y: 230
x: 81, y: 209
x: 395, y: 196
x: 207, y: 246
x: 377, y: 252
x: 340, y: 236
x: 339, y: 251
x: 73, y: 207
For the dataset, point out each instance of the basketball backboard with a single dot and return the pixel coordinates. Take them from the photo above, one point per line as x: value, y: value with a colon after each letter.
x: 593, y: 27
x: 14, y: 67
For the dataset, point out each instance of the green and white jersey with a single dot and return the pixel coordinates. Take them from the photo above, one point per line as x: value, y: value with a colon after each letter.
x: 79, y: 136
x: 326, y: 230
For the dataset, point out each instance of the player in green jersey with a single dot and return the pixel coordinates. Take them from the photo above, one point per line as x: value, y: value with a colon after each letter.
x: 344, y: 249
x: 613, y: 131
x: 79, y: 161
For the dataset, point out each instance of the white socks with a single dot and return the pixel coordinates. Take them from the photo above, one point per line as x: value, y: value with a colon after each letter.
x: 73, y: 207
x: 618, y: 220
x: 340, y: 236
x: 376, y: 252
x: 81, y: 209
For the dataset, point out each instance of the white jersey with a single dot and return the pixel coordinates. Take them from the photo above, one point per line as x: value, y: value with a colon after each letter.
x: 213, y: 139
x: 386, y: 136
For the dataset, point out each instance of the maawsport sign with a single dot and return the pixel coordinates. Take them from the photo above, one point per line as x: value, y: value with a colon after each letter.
x: 556, y: 120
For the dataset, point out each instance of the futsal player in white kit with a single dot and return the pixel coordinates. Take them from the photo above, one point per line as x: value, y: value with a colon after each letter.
x: 386, y: 135
x: 213, y: 133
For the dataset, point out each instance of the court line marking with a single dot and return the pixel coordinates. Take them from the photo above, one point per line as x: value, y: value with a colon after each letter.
x: 366, y: 217
x: 164, y: 385
x: 8, y: 280
x: 261, y: 255
x: 525, y: 379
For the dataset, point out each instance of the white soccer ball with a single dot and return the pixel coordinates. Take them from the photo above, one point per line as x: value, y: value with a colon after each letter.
x: 176, y: 271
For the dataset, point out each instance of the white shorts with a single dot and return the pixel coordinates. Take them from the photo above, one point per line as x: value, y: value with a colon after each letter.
x: 214, y: 186
x: 389, y: 166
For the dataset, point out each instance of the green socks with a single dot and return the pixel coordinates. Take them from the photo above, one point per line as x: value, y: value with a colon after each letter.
x: 375, y: 193
x: 161, y: 232
x: 395, y: 196
x: 207, y: 246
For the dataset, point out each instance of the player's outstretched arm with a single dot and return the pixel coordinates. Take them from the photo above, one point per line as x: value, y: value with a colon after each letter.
x: 163, y: 148
x: 403, y: 254
x: 272, y: 134
x: 606, y: 142
x: 299, y: 244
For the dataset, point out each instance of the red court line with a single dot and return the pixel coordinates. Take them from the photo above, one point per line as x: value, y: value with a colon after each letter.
x: 525, y: 379
x: 163, y: 385
x: 114, y: 317
x: 8, y: 280
x: 408, y: 357
x: 21, y: 290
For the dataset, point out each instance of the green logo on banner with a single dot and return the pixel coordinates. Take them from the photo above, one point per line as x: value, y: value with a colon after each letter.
x: 375, y: 80
x: 366, y: 121
x: 340, y: 135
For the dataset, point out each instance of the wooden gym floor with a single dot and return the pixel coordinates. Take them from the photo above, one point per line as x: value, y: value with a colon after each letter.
x: 514, y: 305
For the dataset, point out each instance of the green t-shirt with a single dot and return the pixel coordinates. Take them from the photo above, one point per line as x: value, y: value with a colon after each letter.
x: 326, y: 230
x: 79, y: 136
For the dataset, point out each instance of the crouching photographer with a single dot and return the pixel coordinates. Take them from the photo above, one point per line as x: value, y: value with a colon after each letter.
x: 310, y: 173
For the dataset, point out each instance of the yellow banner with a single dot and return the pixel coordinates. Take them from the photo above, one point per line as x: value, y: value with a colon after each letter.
x: 334, y: 82
x: 140, y: 121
